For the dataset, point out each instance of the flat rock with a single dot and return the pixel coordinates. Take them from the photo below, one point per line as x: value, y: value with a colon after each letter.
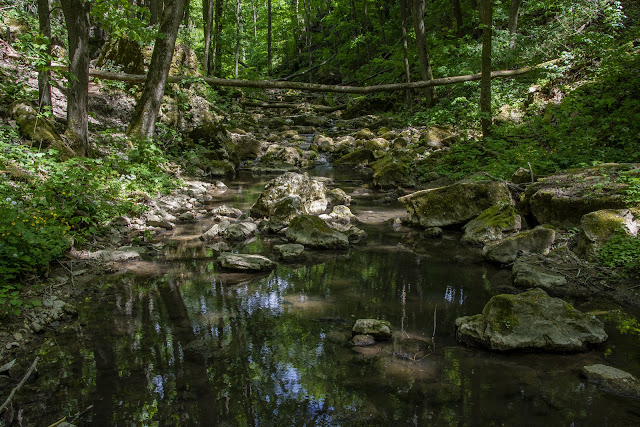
x: 289, y: 251
x: 362, y: 340
x: 613, y: 380
x: 530, y: 321
x: 313, y: 232
x: 529, y: 272
x: 245, y: 262
x: 539, y: 241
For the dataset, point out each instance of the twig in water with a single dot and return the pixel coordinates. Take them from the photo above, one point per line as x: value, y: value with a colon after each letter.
x: 19, y: 386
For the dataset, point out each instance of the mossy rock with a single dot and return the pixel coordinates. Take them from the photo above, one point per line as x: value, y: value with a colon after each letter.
x: 123, y: 52
x: 539, y: 241
x: 219, y: 168
x: 391, y: 172
x: 494, y: 223
x: 313, y: 232
x: 530, y: 321
x: 361, y: 157
x: 600, y: 226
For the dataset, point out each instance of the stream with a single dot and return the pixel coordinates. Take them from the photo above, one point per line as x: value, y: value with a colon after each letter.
x: 178, y: 341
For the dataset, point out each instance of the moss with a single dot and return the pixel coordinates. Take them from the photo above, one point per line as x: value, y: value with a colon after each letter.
x: 358, y: 157
x: 311, y: 223
x: 499, y: 312
x: 501, y: 215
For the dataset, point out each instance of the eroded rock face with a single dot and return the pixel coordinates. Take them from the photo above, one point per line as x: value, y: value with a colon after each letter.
x: 598, y: 227
x: 530, y: 321
x: 312, y: 194
x: 497, y: 222
x: 454, y: 204
x: 313, y: 232
x: 613, y: 380
x: 379, y: 329
x: 539, y: 241
x: 245, y: 262
x: 563, y: 199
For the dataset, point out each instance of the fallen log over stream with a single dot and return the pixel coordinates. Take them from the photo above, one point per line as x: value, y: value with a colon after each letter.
x: 320, y: 108
x: 313, y: 87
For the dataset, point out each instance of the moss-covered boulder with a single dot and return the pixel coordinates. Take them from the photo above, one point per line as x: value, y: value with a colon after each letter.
x: 537, y: 241
x: 391, y: 172
x: 563, y: 199
x: 497, y: 222
x: 124, y: 53
x: 365, y: 134
x: 380, y: 329
x: 313, y: 232
x: 600, y: 226
x: 454, y: 204
x: 530, y: 321
x: 38, y: 129
x: 360, y: 157
x: 312, y: 194
x: 283, y: 211
x: 245, y: 262
x: 530, y: 271
x: 289, y: 252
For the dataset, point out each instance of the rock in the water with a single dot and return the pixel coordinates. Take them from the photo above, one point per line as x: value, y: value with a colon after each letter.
x: 362, y: 340
x: 563, y: 199
x: 613, y: 380
x: 361, y: 157
x: 283, y: 211
x: 245, y: 262
x: 380, y: 329
x: 600, y: 226
x: 289, y: 251
x: 240, y: 230
x: 454, y: 204
x: 228, y: 211
x: 312, y: 194
x: 340, y: 218
x: 529, y: 272
x: 217, y: 230
x: 530, y: 321
x: 311, y: 231
x: 390, y: 172
x: 337, y: 196
x: 497, y: 222
x: 410, y: 346
x: 538, y: 240
x: 356, y: 235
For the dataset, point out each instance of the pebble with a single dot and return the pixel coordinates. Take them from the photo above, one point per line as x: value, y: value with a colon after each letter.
x: 17, y: 336
x: 36, y: 327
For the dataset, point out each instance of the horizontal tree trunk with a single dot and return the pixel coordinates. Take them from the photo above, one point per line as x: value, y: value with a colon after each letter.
x: 312, y: 87
x: 321, y: 108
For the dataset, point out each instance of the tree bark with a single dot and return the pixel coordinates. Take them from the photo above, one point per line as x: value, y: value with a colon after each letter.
x: 405, y: 51
x: 514, y: 10
x: 207, y: 16
x: 187, y: 6
x: 486, y: 18
x: 217, y: 49
x: 238, y: 35
x: 313, y: 87
x: 44, y: 75
x: 307, y: 24
x: 153, y: 9
x: 457, y: 15
x: 269, y: 53
x: 144, y: 117
x: 255, y: 19
x: 76, y: 15
x: 421, y: 45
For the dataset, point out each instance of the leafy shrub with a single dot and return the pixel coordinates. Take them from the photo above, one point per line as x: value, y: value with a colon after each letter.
x: 622, y: 251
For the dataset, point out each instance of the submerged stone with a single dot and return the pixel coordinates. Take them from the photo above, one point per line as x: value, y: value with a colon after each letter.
x: 362, y: 340
x: 530, y: 321
x: 613, y: 380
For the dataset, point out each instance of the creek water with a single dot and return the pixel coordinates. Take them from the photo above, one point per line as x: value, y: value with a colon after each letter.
x: 177, y: 341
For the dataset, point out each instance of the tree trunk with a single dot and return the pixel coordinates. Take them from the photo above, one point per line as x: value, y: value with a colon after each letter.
x: 207, y: 16
x: 269, y: 53
x: 307, y: 24
x: 407, y: 69
x: 44, y: 75
x: 217, y: 49
x: 238, y: 35
x: 457, y: 15
x: 421, y: 45
x: 187, y: 4
x: 514, y: 9
x: 76, y: 15
x: 486, y: 18
x: 255, y: 19
x: 153, y: 9
x: 144, y: 117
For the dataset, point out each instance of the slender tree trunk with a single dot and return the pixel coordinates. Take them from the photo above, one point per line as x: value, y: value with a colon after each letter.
x: 76, y: 15
x: 238, y: 35
x: 145, y: 115
x: 486, y: 18
x: 405, y: 49
x: 187, y: 4
x: 153, y: 9
x: 307, y: 24
x: 381, y: 19
x: 457, y: 15
x: 421, y: 45
x: 269, y: 53
x: 207, y: 16
x: 514, y: 10
x: 217, y: 50
x: 255, y: 19
x: 44, y: 75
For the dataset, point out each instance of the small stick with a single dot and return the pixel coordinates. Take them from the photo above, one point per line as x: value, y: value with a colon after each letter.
x: 88, y: 408
x: 60, y: 421
x: 433, y: 337
x: 530, y: 170
x: 19, y: 386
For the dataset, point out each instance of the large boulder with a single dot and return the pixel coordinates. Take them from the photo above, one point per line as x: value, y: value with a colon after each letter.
x: 313, y: 232
x: 497, y: 222
x: 391, y: 172
x: 312, y: 194
x: 613, y: 380
x: 538, y: 241
x: 245, y: 262
x: 380, y: 329
x: 454, y: 204
x: 124, y: 53
x: 530, y: 321
x: 600, y: 226
x: 563, y: 199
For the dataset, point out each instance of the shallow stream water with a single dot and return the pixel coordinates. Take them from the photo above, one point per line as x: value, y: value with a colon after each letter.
x: 180, y: 342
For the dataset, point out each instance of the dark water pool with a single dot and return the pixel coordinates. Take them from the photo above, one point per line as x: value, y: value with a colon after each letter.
x: 187, y: 344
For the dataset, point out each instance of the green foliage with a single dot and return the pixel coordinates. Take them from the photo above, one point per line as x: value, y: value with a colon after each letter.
x: 122, y: 18
x: 622, y: 251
